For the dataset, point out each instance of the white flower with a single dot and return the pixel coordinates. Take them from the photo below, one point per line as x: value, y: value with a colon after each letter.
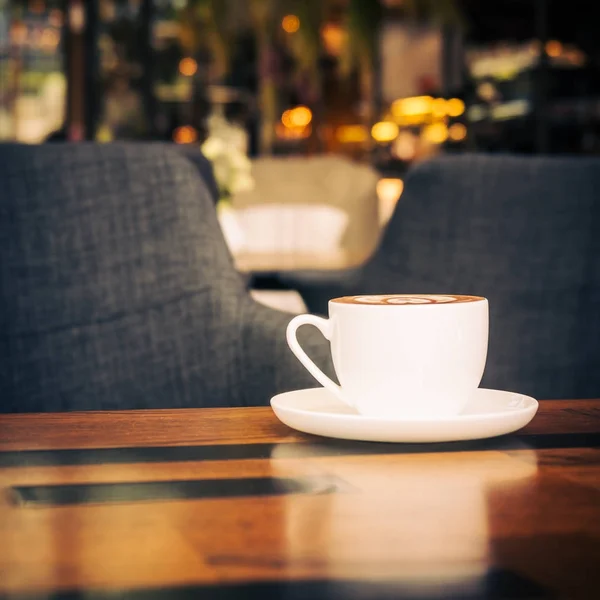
x: 225, y: 147
x: 212, y: 147
x: 241, y: 182
x: 240, y: 161
x: 221, y: 171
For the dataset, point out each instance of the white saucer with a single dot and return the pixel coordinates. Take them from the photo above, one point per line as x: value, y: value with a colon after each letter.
x: 489, y: 413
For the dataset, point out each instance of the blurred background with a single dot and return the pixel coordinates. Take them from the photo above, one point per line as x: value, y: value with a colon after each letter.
x: 383, y: 84
x: 383, y: 81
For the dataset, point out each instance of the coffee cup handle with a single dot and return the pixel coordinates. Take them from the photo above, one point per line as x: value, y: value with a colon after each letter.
x: 324, y: 326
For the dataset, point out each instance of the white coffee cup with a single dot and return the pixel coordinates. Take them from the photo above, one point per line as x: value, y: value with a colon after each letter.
x: 402, y: 356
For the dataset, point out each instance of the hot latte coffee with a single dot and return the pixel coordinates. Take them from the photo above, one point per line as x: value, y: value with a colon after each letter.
x: 402, y: 355
x: 402, y: 299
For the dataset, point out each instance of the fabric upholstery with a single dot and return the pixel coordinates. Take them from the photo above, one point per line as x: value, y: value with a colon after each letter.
x: 117, y: 289
x: 522, y: 231
x: 203, y: 165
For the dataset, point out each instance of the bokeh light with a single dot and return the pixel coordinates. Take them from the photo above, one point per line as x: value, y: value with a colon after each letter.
x: 334, y: 38
x: 405, y: 146
x: 384, y: 131
x: 554, y: 48
x: 417, y: 105
x: 292, y: 133
x: 185, y: 135
x: 188, y: 66
x: 439, y: 108
x: 290, y: 23
x: 352, y: 134
x: 49, y: 39
x: 436, y: 133
x: 455, y: 107
x: 457, y: 132
x: 300, y: 116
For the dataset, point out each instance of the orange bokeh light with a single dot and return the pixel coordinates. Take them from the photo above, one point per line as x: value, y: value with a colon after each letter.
x: 292, y: 133
x: 188, y: 66
x: 455, y: 107
x: 290, y: 23
x: 436, y: 133
x: 384, y: 131
x: 554, y: 48
x: 457, y: 132
x: 300, y: 116
x: 334, y: 38
x: 50, y: 39
x: 352, y: 134
x: 185, y: 135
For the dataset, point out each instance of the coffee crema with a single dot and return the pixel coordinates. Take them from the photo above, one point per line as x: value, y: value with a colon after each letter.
x: 406, y: 299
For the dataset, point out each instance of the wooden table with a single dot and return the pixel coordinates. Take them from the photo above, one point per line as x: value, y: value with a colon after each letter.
x: 231, y: 504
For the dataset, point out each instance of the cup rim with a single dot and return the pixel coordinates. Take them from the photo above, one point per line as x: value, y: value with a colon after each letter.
x: 351, y: 300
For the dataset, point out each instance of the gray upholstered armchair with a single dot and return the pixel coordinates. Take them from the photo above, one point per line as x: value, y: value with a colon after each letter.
x: 525, y: 233
x: 117, y: 290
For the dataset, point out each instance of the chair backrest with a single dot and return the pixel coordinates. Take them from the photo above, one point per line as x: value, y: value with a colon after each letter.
x: 345, y: 187
x: 525, y: 233
x: 204, y: 167
x: 117, y: 289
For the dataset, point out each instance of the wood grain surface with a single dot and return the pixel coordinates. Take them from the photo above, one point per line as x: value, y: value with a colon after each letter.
x: 518, y: 516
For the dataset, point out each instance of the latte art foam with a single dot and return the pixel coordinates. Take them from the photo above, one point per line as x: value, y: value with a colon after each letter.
x: 406, y: 299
